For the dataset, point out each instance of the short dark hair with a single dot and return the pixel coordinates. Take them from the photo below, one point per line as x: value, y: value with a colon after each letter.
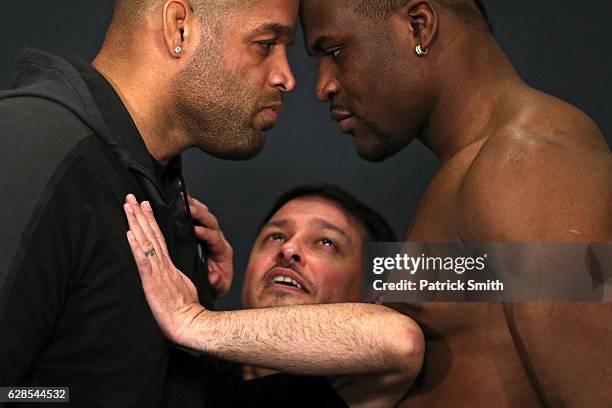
x: 463, y: 8
x: 377, y: 229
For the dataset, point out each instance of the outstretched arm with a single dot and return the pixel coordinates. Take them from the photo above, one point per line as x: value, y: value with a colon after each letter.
x: 363, y: 341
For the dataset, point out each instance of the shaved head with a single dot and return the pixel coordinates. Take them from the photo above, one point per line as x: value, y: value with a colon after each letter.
x: 129, y: 13
x: 471, y: 11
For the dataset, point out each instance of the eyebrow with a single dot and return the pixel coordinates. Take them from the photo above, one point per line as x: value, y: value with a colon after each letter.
x: 280, y: 30
x: 329, y: 226
x: 317, y: 46
x: 278, y: 223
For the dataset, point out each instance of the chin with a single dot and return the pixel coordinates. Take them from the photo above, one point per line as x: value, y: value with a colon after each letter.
x: 373, y: 149
x: 247, y: 153
x: 247, y: 149
x: 371, y: 156
x: 279, y: 298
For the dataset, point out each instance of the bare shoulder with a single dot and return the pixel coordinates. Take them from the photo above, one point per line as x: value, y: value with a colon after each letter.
x: 545, y: 175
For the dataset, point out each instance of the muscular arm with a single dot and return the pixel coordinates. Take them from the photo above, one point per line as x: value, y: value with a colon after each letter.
x: 566, y: 350
x: 539, y: 190
x: 358, y: 340
x: 524, y: 189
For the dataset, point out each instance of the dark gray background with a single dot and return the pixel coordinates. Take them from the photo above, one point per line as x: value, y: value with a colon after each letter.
x: 560, y: 47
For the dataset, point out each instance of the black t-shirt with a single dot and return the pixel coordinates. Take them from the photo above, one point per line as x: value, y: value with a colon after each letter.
x: 281, y: 390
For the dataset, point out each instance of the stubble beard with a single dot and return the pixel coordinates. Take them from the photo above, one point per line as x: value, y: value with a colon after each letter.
x: 380, y: 146
x: 278, y: 299
x: 217, y: 108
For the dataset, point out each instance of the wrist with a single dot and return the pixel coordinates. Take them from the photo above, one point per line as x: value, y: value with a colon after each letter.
x: 198, y: 334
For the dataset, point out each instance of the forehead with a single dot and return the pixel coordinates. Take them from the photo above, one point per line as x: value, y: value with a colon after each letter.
x: 334, y: 18
x: 323, y: 12
x: 304, y: 209
x: 250, y: 15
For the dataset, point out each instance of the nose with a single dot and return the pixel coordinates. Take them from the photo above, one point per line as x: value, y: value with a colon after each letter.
x: 281, y: 76
x: 291, y: 252
x: 327, y: 85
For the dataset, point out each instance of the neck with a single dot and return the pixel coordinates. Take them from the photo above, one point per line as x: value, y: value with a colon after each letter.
x: 477, y: 83
x: 141, y: 90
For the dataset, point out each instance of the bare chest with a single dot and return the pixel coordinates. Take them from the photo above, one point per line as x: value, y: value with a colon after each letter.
x: 438, y: 215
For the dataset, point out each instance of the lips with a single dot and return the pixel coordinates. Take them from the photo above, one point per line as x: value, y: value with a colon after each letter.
x: 339, y: 115
x: 286, y: 278
x: 344, y: 118
x: 276, y: 107
x: 272, y: 111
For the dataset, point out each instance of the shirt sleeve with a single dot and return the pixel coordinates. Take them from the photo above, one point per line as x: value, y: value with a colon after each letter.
x: 33, y: 291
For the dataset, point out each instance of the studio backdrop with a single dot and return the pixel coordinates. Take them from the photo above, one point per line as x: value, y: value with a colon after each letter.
x: 561, y: 47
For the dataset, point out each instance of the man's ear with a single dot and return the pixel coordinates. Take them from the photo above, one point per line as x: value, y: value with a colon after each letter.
x: 421, y: 22
x: 177, y: 18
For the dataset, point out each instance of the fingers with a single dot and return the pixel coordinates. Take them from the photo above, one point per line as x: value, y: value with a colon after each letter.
x: 220, y: 283
x: 144, y: 235
x: 197, y: 203
x: 213, y: 238
x: 216, y: 242
x: 214, y: 278
x: 148, y: 213
x: 142, y: 261
x: 202, y: 214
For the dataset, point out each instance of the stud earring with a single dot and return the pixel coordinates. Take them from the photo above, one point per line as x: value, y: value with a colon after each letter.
x: 178, y: 50
x: 420, y: 51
